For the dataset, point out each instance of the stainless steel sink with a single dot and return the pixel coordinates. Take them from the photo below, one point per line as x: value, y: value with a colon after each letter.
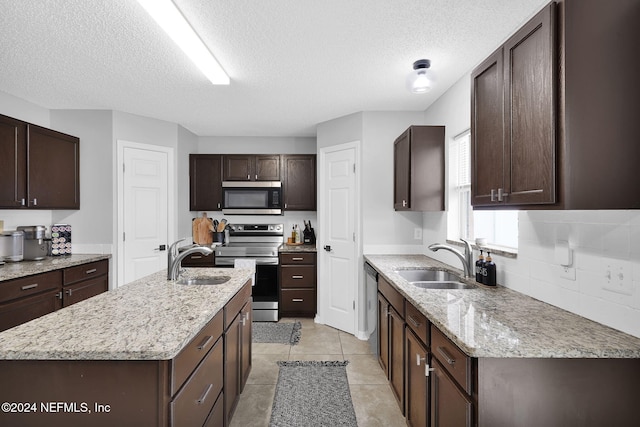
x: 424, y: 275
x: 442, y: 285
x: 433, y: 279
x: 203, y: 280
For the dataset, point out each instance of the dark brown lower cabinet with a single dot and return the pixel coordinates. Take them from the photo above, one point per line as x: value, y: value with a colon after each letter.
x: 416, y: 382
x: 396, y: 355
x: 237, y: 350
x: 23, y: 310
x: 450, y: 407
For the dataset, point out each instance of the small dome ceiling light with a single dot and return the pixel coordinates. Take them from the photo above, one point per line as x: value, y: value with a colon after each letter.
x: 420, y: 79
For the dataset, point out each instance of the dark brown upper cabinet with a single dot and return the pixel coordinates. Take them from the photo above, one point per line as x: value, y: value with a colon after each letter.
x: 513, y: 116
x: 299, y: 182
x: 419, y: 169
x: 240, y: 167
x: 205, y: 182
x: 40, y: 167
x: 548, y: 129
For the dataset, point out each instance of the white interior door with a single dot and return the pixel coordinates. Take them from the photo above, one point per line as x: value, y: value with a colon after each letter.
x: 338, y: 278
x: 145, y: 211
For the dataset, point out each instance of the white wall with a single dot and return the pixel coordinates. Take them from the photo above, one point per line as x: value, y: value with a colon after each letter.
x: 599, y: 239
x: 255, y: 145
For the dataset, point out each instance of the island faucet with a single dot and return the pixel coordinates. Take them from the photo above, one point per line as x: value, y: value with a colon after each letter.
x: 174, y: 258
x: 467, y: 258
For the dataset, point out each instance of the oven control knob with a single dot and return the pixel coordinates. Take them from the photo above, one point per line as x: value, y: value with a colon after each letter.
x: 271, y: 227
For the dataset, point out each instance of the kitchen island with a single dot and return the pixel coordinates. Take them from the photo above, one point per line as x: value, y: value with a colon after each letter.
x: 507, y: 359
x: 148, y: 353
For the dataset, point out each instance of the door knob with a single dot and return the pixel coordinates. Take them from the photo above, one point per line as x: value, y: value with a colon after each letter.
x: 327, y: 248
x: 161, y: 248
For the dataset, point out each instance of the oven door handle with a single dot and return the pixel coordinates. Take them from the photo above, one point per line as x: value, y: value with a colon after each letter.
x: 230, y: 261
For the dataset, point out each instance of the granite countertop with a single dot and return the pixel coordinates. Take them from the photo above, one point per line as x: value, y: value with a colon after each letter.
x: 15, y: 270
x: 499, y: 322
x: 148, y: 319
x: 297, y: 248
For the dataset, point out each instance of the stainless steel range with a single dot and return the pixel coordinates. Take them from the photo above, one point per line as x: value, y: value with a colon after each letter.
x: 259, y: 242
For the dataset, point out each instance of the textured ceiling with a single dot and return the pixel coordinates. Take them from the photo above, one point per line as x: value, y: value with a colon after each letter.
x: 293, y: 63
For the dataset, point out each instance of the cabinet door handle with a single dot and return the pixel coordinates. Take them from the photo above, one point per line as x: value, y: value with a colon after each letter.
x: 502, y: 195
x: 69, y: 292
x: 22, y: 202
x: 428, y: 369
x: 285, y: 206
x: 297, y: 277
x: 444, y: 353
x: 93, y: 270
x: 297, y: 300
x: 256, y: 177
x: 31, y: 286
x: 204, y: 395
x: 414, y: 322
x: 420, y: 359
x: 404, y: 203
x: 34, y: 202
x: 59, y: 295
x: 248, y: 177
x: 205, y: 342
x: 494, y: 198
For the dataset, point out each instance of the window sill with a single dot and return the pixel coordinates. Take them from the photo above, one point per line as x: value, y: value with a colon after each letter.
x: 494, y: 249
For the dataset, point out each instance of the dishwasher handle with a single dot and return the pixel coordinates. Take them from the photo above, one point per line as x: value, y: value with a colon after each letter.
x: 370, y: 271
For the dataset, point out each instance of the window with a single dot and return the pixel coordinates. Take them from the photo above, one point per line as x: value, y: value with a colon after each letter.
x: 463, y: 222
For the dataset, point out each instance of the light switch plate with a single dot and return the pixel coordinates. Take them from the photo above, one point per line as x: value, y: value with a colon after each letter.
x: 417, y: 233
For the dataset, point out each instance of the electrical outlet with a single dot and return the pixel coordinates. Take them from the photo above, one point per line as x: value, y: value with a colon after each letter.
x: 417, y: 233
x: 567, y: 273
x: 617, y: 277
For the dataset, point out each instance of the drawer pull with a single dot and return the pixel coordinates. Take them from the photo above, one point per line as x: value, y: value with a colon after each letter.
x: 27, y: 287
x: 93, y: 270
x: 205, y: 342
x: 297, y: 300
x: 196, y: 256
x: 204, y: 395
x: 444, y: 353
x: 297, y: 259
x: 414, y: 322
x: 297, y: 277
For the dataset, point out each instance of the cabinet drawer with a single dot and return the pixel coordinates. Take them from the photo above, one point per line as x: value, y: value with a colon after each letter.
x: 452, y: 358
x: 194, y: 402
x: 298, y: 276
x: 392, y: 295
x: 234, y: 306
x: 298, y: 258
x: 417, y: 322
x: 298, y: 300
x: 86, y: 289
x: 199, y: 260
x: 186, y: 361
x: 26, y: 286
x: 85, y: 271
x: 20, y: 311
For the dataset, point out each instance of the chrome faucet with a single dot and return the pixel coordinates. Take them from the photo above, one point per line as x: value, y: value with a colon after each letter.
x: 174, y: 258
x: 467, y: 258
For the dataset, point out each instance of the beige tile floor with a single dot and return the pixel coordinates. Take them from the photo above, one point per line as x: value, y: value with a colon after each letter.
x: 372, y: 398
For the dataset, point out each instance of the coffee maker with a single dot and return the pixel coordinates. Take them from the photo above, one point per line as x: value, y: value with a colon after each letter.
x: 35, y: 247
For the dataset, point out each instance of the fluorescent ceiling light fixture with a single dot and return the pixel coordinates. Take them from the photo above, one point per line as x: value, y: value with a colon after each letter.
x: 167, y: 15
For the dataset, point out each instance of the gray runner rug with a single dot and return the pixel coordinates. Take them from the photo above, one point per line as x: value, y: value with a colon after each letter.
x: 312, y: 394
x: 280, y: 333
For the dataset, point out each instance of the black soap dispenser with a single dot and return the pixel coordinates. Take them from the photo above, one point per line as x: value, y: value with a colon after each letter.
x: 480, y: 267
x: 489, y: 276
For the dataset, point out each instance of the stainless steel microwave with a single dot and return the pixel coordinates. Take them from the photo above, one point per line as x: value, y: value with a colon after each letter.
x: 252, y: 197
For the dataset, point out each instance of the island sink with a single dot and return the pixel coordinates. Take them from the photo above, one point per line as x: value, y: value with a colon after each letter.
x: 203, y: 280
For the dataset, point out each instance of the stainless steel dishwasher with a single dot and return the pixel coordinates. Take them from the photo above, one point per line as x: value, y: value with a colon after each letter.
x: 371, y: 277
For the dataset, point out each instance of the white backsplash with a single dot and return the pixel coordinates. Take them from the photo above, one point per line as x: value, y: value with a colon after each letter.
x: 602, y: 242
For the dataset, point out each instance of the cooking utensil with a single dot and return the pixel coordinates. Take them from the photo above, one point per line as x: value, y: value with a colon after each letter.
x: 222, y: 225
